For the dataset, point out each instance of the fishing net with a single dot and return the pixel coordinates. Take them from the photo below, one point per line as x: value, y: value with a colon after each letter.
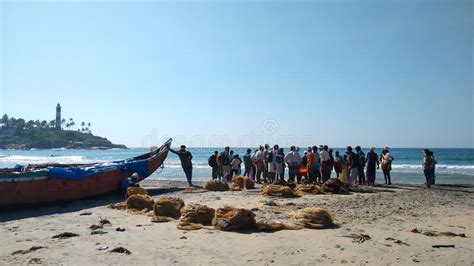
x: 242, y: 182
x: 334, y: 186
x: 118, y: 206
x: 139, y: 203
x: 135, y: 191
x: 308, y: 189
x: 168, y: 207
x: 216, y: 185
x: 195, y: 216
x: 233, y: 219
x: 279, y: 191
x: 313, y: 218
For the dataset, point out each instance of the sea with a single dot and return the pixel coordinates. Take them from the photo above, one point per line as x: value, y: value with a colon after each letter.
x: 455, y: 166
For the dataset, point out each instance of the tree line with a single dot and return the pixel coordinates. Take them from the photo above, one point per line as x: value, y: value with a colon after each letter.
x: 21, y: 124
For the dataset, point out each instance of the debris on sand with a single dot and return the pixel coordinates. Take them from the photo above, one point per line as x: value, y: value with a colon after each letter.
x: 85, y: 214
x: 443, y: 246
x: 120, y: 229
x: 26, y: 251
x: 95, y: 227
x: 396, y: 241
x: 98, y: 232
x: 360, y: 238
x: 121, y: 250
x: 65, y: 235
x: 451, y: 234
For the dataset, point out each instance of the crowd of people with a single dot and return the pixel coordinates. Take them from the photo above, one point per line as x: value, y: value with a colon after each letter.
x: 315, y: 165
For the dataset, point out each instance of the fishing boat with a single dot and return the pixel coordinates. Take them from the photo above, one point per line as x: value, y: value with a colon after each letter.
x: 52, y: 183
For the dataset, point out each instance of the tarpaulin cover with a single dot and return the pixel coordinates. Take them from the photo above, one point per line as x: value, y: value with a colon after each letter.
x: 75, y: 173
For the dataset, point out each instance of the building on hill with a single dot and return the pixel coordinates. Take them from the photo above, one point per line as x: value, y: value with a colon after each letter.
x: 58, y: 117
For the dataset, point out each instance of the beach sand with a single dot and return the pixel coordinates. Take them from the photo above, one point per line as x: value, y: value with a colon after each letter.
x: 386, y: 216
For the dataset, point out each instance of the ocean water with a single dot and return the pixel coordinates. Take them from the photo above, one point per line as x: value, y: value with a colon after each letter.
x: 455, y: 166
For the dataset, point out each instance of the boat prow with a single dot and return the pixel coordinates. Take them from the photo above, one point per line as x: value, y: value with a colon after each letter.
x: 42, y: 184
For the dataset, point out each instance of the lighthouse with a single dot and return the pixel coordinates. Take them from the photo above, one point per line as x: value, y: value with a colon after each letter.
x: 58, y: 117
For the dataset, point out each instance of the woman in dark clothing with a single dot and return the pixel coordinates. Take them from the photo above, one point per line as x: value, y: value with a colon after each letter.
x: 371, y: 160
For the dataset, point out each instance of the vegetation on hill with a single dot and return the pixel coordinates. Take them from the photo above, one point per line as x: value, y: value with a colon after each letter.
x: 21, y: 134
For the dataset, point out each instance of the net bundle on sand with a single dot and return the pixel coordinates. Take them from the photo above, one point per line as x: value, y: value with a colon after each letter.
x: 233, y: 219
x: 273, y: 226
x: 139, y: 203
x: 312, y: 189
x: 242, y: 182
x: 135, y: 191
x: 279, y: 191
x: 314, y: 218
x: 216, y: 185
x: 168, y: 207
x: 335, y: 186
x: 195, y: 216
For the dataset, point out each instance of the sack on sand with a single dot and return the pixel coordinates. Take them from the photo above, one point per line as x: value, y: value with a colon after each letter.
x: 272, y: 226
x: 216, y: 185
x: 279, y: 191
x: 139, y: 203
x: 233, y: 219
x: 314, y: 218
x: 168, y: 207
x: 334, y: 186
x: 242, y: 182
x: 195, y: 216
x: 135, y: 191
x: 312, y: 189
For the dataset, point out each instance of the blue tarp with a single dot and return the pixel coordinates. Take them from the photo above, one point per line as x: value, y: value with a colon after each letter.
x: 76, y: 173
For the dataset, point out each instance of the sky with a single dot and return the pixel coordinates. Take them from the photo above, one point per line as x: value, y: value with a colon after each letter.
x: 242, y: 73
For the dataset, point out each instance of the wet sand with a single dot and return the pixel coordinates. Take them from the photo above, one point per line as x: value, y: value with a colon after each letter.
x: 388, y: 216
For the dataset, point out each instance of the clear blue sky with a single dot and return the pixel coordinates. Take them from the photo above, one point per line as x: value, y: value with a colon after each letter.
x: 384, y: 73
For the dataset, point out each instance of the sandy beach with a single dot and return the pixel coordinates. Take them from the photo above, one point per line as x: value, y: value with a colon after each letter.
x: 388, y: 216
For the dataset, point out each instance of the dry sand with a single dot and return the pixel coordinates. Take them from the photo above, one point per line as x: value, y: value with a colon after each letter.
x: 391, y: 212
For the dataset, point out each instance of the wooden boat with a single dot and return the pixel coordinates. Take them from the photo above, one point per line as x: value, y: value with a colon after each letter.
x: 39, y: 184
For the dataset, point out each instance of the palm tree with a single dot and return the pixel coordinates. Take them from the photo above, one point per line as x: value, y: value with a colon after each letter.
x: 44, y: 124
x: 63, y: 122
x: 5, y: 120
x: 37, y: 124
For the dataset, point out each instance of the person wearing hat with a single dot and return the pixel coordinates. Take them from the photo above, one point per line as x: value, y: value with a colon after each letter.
x: 186, y: 162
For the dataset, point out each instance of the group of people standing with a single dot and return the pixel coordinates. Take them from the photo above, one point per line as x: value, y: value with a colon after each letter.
x: 316, y: 165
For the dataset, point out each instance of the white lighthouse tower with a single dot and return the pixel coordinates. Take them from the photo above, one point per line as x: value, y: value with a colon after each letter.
x: 58, y: 117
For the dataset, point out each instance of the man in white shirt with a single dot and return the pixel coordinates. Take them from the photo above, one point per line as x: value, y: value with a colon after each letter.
x: 293, y: 159
x: 258, y: 161
x: 325, y: 163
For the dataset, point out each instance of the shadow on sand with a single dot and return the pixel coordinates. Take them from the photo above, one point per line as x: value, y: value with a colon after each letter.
x: 22, y: 212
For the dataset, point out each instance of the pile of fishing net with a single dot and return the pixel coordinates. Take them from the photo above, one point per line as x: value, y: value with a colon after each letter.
x: 241, y: 182
x: 137, y: 203
x: 279, y: 191
x: 303, y: 189
x: 335, y: 186
x: 216, y: 185
x: 313, y: 218
x: 168, y: 207
x: 233, y: 219
x: 195, y: 216
x: 135, y: 191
